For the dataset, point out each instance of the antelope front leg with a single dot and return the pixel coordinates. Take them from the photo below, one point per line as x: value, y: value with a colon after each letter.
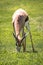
x: 24, y: 45
x: 24, y: 41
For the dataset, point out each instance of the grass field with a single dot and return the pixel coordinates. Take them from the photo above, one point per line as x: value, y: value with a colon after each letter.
x: 8, y: 56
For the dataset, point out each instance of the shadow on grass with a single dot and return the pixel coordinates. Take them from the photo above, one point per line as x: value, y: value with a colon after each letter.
x: 32, y: 51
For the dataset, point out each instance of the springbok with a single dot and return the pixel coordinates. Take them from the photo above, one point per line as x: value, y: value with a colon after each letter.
x: 19, y: 18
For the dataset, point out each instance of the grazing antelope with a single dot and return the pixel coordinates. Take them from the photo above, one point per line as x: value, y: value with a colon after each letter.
x: 19, y: 18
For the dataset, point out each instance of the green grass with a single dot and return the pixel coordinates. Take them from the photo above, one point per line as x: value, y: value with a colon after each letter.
x: 8, y: 56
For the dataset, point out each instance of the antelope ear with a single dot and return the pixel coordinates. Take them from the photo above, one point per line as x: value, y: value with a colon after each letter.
x: 27, y: 18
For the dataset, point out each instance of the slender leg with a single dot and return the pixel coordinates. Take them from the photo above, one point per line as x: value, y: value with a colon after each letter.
x: 24, y: 41
x: 31, y: 41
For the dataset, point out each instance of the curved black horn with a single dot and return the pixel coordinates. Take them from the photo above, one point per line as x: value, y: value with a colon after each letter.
x: 17, y: 38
